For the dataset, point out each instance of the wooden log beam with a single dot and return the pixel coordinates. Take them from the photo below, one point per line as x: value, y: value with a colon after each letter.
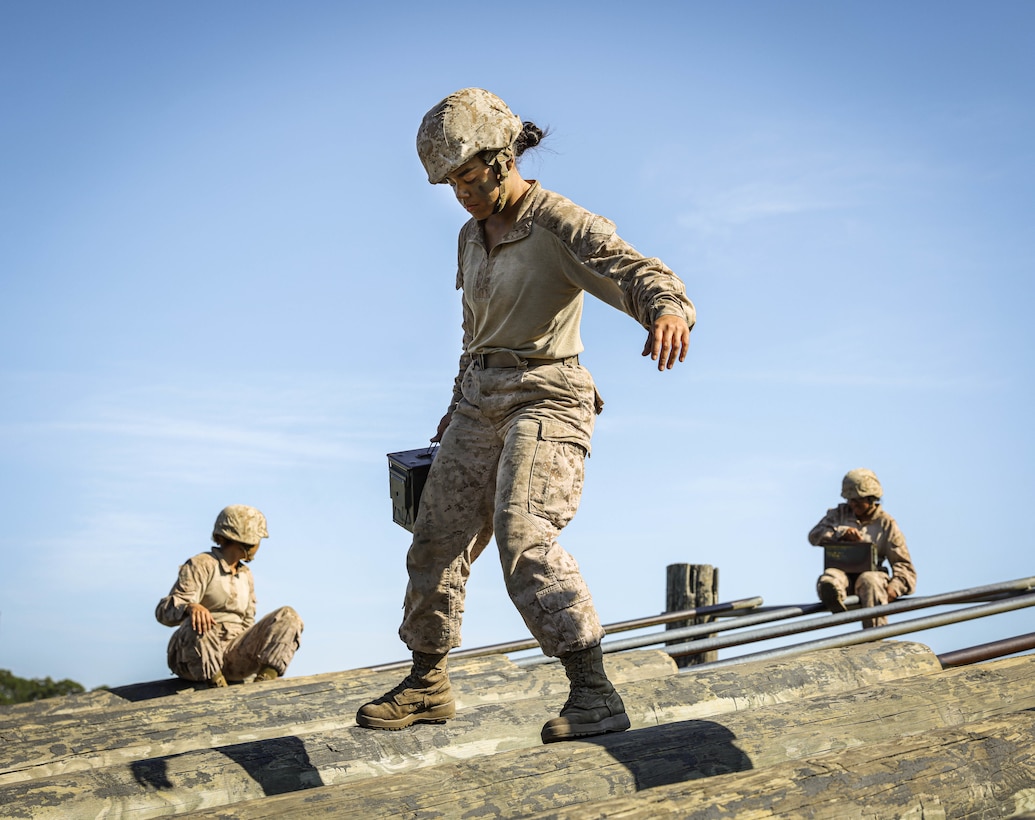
x: 181, y: 695
x: 832, y: 735
x: 200, y: 720
x: 193, y: 781
x: 16, y: 714
x: 981, y: 769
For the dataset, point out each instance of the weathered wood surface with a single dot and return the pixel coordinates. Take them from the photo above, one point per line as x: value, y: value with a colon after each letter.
x: 166, y: 691
x: 212, y: 777
x: 205, y: 719
x: 61, y: 743
x: 18, y: 713
x: 984, y: 769
x: 687, y: 755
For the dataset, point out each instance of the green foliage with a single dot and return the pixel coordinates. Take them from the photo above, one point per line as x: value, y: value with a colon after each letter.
x: 21, y: 690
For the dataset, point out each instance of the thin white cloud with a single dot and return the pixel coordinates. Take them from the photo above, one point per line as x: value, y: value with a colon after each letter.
x: 275, y: 446
x: 717, y: 214
x: 773, y: 173
x: 174, y: 435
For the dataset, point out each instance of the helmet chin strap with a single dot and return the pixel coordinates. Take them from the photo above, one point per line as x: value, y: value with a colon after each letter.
x: 499, y: 166
x: 501, y: 200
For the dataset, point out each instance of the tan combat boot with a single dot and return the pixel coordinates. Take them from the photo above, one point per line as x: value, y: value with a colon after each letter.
x: 424, y: 696
x: 593, y: 706
x: 266, y: 673
x: 831, y: 596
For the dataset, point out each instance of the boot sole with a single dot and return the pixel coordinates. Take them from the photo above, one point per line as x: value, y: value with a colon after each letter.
x: 615, y: 723
x: 833, y: 602
x: 436, y: 716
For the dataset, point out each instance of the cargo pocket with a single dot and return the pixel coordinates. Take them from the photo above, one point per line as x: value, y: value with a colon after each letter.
x: 562, y: 595
x: 558, y: 472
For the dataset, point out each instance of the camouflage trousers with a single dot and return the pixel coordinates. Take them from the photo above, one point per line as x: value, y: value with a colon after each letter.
x: 871, y: 587
x: 511, y: 464
x: 237, y: 653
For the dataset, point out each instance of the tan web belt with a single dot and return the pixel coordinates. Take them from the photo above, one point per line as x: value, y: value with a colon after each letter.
x: 507, y: 359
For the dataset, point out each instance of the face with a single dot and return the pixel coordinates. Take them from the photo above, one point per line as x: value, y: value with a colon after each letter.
x: 476, y: 188
x: 237, y: 550
x: 861, y: 507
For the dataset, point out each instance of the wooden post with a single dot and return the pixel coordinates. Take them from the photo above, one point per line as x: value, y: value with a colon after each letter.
x: 690, y: 586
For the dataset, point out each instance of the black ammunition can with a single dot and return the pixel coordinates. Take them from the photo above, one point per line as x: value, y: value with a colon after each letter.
x: 407, y: 473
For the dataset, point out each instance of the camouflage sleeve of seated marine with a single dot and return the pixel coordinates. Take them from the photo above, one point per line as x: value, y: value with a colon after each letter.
x: 191, y: 583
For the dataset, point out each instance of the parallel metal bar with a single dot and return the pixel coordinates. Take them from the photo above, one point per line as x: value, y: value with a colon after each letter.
x: 987, y: 651
x: 990, y: 592
x: 810, y: 608
x: 706, y: 644
x: 825, y: 622
x: 727, y: 607
x: 880, y: 632
x: 696, y: 631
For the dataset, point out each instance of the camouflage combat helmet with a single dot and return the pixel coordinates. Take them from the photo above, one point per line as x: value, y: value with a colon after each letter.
x: 463, y: 125
x: 246, y: 525
x: 860, y: 483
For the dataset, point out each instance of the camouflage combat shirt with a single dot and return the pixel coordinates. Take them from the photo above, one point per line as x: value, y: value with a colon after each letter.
x: 208, y: 579
x: 525, y: 296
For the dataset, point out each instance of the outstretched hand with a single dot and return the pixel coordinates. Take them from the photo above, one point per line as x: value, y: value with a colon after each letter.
x: 668, y: 341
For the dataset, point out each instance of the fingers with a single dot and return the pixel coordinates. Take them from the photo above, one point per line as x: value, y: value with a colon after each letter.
x: 201, y: 619
x: 676, y: 348
x: 668, y: 342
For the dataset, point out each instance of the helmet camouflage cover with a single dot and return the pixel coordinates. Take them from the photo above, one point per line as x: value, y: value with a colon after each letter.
x: 460, y: 127
x: 240, y: 523
x: 860, y: 483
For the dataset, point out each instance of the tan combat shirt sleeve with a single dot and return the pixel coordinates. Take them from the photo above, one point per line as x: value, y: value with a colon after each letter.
x: 893, y: 548
x: 207, y: 579
x: 832, y: 526
x: 616, y: 273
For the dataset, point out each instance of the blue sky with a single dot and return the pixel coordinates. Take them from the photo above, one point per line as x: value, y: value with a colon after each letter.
x: 224, y: 279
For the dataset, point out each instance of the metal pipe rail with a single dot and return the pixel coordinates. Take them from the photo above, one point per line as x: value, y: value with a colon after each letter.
x: 880, y: 632
x: 987, y: 651
x: 708, y: 644
x: 711, y: 610
x: 700, y: 630
x: 1008, y: 588
x: 732, y: 610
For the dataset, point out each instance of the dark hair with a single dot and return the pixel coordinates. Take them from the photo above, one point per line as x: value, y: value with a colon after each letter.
x: 531, y: 135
